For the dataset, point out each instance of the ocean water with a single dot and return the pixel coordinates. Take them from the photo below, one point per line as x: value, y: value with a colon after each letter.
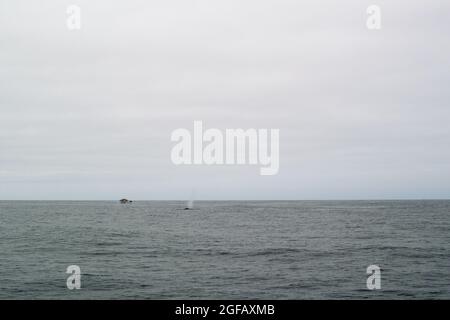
x: 225, y: 250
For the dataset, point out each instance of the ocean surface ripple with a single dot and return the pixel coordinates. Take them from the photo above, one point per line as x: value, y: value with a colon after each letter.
x: 225, y: 250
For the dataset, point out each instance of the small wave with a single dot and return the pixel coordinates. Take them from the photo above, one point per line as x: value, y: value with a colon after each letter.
x: 273, y: 251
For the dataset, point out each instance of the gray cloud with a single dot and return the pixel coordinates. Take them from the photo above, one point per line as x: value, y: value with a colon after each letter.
x: 88, y: 114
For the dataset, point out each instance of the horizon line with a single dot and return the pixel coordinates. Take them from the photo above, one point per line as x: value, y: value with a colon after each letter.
x: 205, y: 200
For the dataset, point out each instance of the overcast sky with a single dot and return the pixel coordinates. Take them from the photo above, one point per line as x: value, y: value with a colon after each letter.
x: 87, y: 114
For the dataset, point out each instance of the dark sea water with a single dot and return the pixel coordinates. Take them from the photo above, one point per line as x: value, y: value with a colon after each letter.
x: 225, y: 250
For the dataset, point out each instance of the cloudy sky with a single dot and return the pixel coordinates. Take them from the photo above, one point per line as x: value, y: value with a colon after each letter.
x: 88, y: 114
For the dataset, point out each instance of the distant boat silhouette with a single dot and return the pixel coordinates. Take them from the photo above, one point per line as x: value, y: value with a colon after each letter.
x: 123, y: 201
